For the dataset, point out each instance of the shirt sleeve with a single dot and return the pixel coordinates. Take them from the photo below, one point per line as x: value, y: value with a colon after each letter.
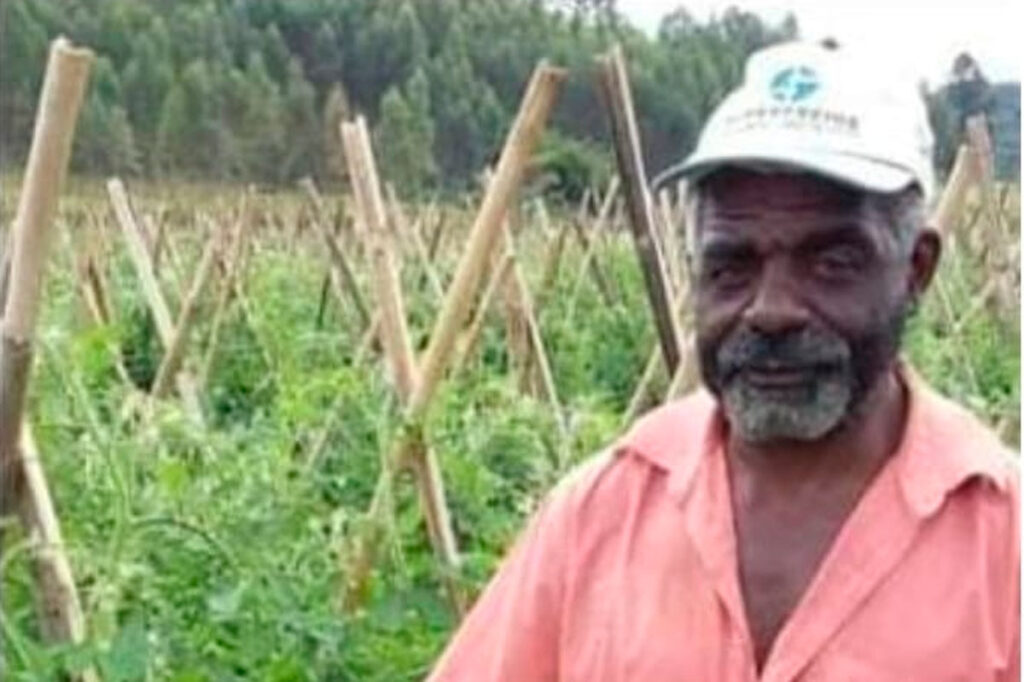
x: 512, y: 632
x: 1012, y: 673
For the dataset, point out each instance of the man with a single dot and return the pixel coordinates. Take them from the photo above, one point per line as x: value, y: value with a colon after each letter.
x: 817, y: 513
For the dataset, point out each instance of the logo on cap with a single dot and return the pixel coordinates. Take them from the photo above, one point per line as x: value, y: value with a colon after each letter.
x: 794, y: 84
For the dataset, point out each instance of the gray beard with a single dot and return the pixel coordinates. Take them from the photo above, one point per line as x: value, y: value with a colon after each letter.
x: 803, y: 413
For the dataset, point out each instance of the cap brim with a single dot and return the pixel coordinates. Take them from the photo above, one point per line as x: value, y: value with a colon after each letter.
x: 859, y: 172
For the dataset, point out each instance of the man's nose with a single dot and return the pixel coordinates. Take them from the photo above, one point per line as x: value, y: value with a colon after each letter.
x: 776, y: 307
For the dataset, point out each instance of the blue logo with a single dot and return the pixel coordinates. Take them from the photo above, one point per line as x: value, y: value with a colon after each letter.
x: 794, y: 84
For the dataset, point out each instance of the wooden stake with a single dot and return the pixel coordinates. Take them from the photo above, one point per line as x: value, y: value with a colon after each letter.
x: 521, y: 300
x: 63, y: 87
x: 619, y: 100
x: 412, y: 233
x: 472, y: 335
x: 591, y: 246
x: 642, y: 395
x: 526, y: 130
x: 170, y: 364
x: 366, y: 185
x: 552, y: 262
x: 395, y: 333
x: 22, y: 482
x: 961, y: 177
x: 155, y: 300
x: 343, y: 274
x: 235, y: 257
x: 59, y: 607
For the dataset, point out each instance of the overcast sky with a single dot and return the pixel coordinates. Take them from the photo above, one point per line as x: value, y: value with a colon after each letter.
x: 925, y: 36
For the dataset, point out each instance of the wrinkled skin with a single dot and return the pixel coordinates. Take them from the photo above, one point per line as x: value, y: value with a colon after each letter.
x: 801, y: 291
x: 801, y: 302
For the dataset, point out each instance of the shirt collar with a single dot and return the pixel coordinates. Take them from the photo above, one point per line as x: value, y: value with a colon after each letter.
x: 942, y: 446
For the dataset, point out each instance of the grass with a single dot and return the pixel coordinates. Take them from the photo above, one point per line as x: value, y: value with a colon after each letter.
x: 218, y: 555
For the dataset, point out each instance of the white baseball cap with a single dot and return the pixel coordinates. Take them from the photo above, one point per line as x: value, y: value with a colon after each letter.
x: 819, y: 108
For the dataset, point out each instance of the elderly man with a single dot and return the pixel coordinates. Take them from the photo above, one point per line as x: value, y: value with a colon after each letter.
x: 817, y: 513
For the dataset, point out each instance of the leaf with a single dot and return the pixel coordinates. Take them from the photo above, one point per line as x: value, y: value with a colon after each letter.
x: 128, y: 657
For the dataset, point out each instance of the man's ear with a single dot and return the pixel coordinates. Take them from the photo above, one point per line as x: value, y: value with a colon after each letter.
x: 924, y: 260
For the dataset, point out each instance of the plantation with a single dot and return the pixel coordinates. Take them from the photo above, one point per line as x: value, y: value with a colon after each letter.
x: 290, y: 431
x: 219, y: 553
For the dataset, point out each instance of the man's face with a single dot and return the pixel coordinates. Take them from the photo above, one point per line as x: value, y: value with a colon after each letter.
x: 801, y: 293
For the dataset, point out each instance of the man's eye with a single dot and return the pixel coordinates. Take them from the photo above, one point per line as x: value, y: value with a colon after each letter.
x: 727, y: 274
x: 838, y: 261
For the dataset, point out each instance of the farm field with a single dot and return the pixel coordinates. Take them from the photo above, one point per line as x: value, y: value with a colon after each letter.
x: 216, y: 539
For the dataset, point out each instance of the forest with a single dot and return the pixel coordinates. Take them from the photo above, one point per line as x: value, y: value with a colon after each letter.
x: 253, y: 90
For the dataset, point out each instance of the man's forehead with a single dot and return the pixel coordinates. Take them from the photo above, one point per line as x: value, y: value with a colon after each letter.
x: 764, y: 190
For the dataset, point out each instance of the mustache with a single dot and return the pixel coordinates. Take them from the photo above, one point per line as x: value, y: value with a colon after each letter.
x: 807, y: 348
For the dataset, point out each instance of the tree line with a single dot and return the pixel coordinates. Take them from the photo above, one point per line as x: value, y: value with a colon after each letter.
x: 253, y: 90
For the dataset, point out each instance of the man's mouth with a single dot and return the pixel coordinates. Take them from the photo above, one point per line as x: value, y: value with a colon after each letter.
x: 779, y: 376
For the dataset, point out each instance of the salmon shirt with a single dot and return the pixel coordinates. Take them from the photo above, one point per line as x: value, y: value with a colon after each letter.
x: 628, y: 572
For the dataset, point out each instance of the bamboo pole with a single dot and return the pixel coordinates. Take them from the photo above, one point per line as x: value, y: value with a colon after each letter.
x: 402, y: 227
x: 395, y: 335
x: 628, y: 153
x: 961, y: 177
x: 687, y: 373
x: 62, y: 619
x: 22, y: 482
x: 89, y: 283
x: 592, y: 244
x: 5, y: 272
x: 343, y: 273
x: 155, y: 300
x: 552, y: 263
x: 526, y: 131
x: 66, y: 75
x: 642, y: 395
x: 472, y: 335
x: 588, y: 247
x: 524, y: 305
x: 235, y: 256
x: 366, y: 186
x: 172, y: 360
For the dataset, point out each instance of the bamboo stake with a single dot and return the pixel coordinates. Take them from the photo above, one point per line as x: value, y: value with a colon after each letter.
x: 171, y: 362
x: 517, y: 333
x: 236, y: 254
x: 961, y: 177
x: 22, y: 482
x: 62, y: 619
x: 89, y: 284
x: 472, y: 336
x: 670, y: 238
x: 590, y: 254
x: 642, y: 395
x: 402, y: 227
x: 395, y: 335
x: 628, y: 153
x: 523, y: 304
x: 158, y: 242
x: 5, y: 271
x: 340, y: 267
x: 63, y: 87
x: 155, y: 300
x: 686, y: 375
x: 552, y: 262
x: 526, y: 130
x: 435, y: 237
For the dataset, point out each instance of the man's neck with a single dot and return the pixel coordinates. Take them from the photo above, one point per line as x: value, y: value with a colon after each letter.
x: 852, y: 452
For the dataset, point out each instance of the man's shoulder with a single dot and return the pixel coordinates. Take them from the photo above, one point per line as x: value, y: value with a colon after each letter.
x: 953, y: 455
x: 960, y: 432
x: 665, y: 439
